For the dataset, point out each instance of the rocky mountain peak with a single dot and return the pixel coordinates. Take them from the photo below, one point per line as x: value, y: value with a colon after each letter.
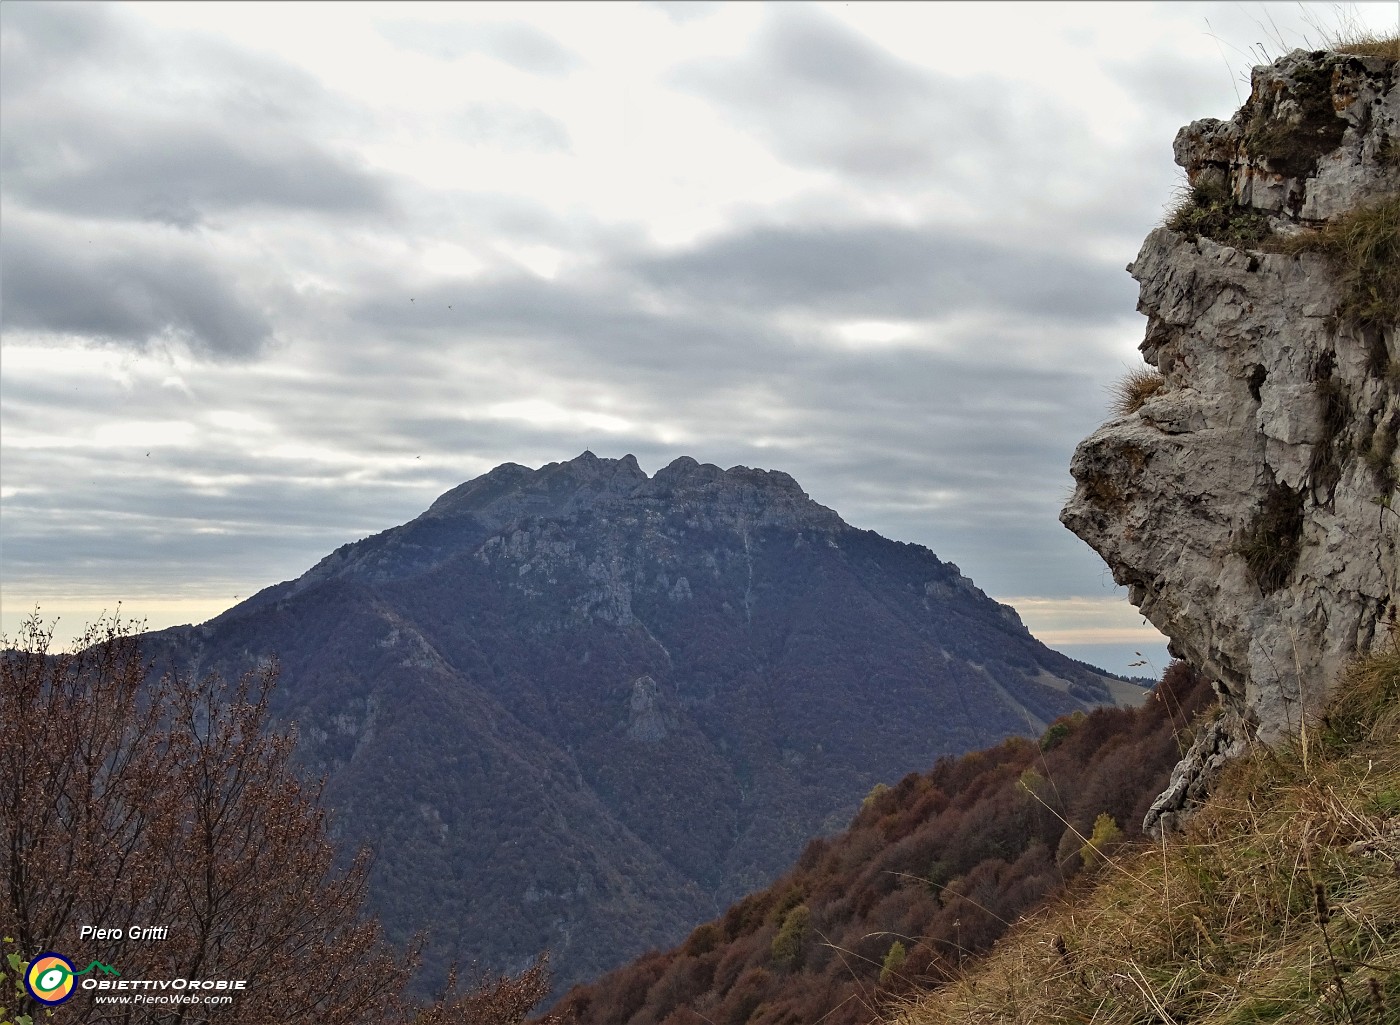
x: 512, y: 498
x: 511, y: 490
x: 1248, y: 501
x: 592, y: 706
x: 742, y: 495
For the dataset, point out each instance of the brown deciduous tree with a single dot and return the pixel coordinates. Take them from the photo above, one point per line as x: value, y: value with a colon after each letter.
x: 130, y: 801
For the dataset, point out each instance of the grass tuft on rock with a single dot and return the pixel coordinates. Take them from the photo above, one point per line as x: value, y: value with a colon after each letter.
x: 1365, y: 45
x: 1363, y: 246
x: 1135, y: 388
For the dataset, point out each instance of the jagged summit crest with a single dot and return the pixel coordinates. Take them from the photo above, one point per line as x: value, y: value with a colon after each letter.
x: 512, y: 496
x: 510, y: 490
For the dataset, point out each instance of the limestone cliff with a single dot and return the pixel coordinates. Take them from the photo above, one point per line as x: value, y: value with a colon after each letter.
x: 1248, y: 501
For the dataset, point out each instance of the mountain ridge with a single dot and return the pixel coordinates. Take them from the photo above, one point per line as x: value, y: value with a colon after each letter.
x: 582, y: 708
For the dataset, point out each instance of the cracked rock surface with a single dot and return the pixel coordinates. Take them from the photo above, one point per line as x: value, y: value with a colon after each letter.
x: 1249, y: 504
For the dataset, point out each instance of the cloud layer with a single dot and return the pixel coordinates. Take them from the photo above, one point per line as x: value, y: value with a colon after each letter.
x: 274, y: 278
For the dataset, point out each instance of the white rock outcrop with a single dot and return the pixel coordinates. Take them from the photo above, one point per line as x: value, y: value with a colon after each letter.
x: 1249, y: 504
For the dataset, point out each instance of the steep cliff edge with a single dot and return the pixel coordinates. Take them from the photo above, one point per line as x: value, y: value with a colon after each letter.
x: 1248, y: 502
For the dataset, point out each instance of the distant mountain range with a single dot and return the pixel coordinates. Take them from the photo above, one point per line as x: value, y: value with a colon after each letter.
x: 585, y: 709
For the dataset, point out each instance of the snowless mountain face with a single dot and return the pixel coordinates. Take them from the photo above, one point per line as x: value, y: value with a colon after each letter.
x: 584, y: 709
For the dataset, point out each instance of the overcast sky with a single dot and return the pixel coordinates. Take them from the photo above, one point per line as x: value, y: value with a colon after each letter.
x: 273, y: 277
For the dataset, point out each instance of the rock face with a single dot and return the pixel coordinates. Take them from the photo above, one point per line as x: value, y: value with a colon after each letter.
x: 1249, y: 503
x: 582, y: 708
x: 1316, y: 138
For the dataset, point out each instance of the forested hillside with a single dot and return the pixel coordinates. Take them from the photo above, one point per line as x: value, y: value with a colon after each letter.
x: 930, y: 873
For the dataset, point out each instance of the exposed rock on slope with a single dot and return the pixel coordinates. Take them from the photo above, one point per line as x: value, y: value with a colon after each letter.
x: 581, y: 708
x: 1249, y: 503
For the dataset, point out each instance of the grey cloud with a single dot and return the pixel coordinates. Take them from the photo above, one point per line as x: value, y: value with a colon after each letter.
x: 39, y: 40
x: 714, y: 326
x: 175, y: 174
x: 528, y: 49
x: 561, y: 323
x: 512, y: 127
x: 810, y: 48
x: 891, y: 271
x: 978, y: 420
x: 56, y: 282
x: 683, y: 359
x: 470, y: 215
x: 822, y: 95
x: 519, y: 45
x: 93, y: 517
x: 684, y: 11
x: 1177, y: 88
x: 214, y: 129
x: 991, y: 440
x: 58, y: 544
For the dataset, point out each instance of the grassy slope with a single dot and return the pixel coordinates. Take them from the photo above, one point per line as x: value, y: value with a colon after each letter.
x: 1280, y: 903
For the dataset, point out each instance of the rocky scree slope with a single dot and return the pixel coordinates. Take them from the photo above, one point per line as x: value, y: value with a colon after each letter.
x: 583, y: 708
x: 1249, y: 503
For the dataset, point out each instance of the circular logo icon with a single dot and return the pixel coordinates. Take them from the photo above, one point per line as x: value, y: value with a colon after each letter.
x: 49, y: 978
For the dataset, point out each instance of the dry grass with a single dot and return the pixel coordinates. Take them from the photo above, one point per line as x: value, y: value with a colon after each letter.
x: 1363, y: 246
x: 1281, y: 902
x: 1134, y: 389
x: 1363, y: 45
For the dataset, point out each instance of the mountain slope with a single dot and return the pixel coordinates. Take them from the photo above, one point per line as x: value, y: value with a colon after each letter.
x: 583, y: 708
x: 929, y: 874
x: 1279, y: 902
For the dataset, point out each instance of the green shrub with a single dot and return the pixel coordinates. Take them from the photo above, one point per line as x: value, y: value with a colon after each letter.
x: 1059, y: 730
x: 894, y: 961
x: 787, y: 945
x: 1106, y: 833
x: 17, y: 966
x: 1208, y: 209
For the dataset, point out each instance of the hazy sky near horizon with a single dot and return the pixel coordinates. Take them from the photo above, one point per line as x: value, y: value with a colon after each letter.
x: 273, y: 276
